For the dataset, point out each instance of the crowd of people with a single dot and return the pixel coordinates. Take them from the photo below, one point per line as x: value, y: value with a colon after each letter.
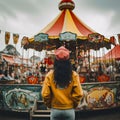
x: 21, y: 73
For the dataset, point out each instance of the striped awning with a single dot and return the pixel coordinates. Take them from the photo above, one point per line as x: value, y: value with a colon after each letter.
x: 66, y: 21
x: 8, y: 58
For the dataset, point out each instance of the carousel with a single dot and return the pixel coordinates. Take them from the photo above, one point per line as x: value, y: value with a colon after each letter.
x: 101, y: 89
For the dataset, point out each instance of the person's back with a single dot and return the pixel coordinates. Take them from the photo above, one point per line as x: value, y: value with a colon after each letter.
x: 61, y: 90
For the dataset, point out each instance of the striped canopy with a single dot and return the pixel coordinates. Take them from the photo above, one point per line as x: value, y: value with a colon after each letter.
x: 66, y: 22
x: 112, y: 54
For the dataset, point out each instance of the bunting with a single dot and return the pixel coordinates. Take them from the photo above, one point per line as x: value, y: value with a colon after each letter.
x: 118, y: 38
x: 7, y: 37
x: 15, y: 38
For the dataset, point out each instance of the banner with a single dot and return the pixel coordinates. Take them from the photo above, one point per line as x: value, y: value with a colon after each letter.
x: 67, y: 36
x: 7, y: 37
x: 15, y: 38
x: 118, y: 38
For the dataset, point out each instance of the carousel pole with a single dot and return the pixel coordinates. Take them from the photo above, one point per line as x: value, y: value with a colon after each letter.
x: 89, y: 59
x: 15, y: 55
x: 7, y: 39
x: 76, y: 53
x: 33, y: 57
x: 22, y: 57
x: 27, y: 58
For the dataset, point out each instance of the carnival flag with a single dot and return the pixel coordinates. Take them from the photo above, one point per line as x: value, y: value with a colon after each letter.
x: 25, y: 41
x: 113, y: 40
x: 118, y: 38
x: 7, y: 37
x: 15, y: 38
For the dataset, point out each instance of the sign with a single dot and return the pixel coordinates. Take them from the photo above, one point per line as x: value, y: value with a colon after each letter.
x: 32, y: 80
x: 41, y: 37
x: 67, y: 36
x: 95, y: 37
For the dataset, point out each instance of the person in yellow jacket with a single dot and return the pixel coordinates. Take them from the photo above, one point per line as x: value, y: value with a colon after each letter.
x: 61, y: 90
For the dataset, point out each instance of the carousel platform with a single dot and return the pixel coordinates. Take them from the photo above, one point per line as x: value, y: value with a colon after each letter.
x: 101, y: 101
x: 12, y: 115
x: 44, y: 114
x: 110, y: 114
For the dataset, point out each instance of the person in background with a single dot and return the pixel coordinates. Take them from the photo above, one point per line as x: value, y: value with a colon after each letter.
x: 1, y: 73
x: 62, y: 91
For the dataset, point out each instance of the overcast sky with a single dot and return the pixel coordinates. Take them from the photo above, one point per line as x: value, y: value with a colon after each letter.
x: 28, y: 17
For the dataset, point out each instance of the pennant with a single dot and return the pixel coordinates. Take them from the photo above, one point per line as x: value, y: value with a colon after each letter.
x: 15, y: 38
x: 118, y: 38
x: 24, y: 41
x: 113, y: 40
x: 7, y: 37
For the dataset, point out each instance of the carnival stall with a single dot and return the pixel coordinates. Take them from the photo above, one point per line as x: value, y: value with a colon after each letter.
x: 11, y: 65
x: 113, y: 60
x: 100, y: 92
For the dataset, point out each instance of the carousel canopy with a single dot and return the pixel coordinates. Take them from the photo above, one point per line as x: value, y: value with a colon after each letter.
x: 67, y: 29
x: 67, y: 21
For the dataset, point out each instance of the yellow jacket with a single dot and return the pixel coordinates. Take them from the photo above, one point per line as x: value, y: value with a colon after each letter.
x: 58, y: 98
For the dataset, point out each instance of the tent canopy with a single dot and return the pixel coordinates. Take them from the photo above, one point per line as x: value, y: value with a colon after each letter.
x: 67, y: 21
x: 67, y: 29
x: 113, y: 53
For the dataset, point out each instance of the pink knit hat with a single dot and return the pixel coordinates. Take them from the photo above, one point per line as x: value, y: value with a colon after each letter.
x: 62, y: 53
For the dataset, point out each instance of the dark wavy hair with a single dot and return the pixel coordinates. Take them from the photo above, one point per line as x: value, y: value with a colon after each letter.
x: 62, y: 72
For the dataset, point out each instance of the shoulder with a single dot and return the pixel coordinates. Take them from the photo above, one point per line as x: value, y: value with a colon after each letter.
x: 75, y: 78
x: 74, y: 73
x: 50, y: 73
